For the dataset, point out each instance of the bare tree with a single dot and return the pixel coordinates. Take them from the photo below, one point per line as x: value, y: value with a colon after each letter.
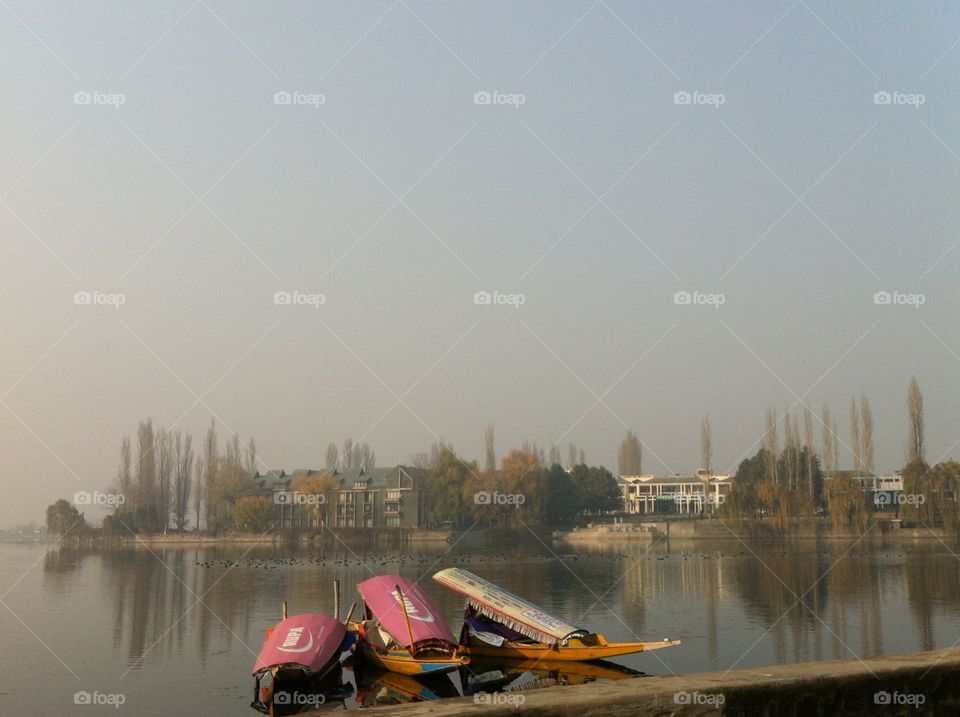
x: 234, y: 454
x: 855, y: 444
x: 490, y: 463
x: 199, y: 490
x: 211, y: 457
x: 553, y: 456
x: 808, y: 446
x: 164, y: 462
x: 571, y: 456
x: 251, y: 456
x: 915, y: 444
x: 182, y: 477
x: 866, y: 434
x: 836, y: 443
x: 347, y: 453
x: 630, y: 455
x: 706, y: 445
x: 125, y: 471
x: 582, y: 455
x: 826, y: 439
x: 146, y: 469
x: 333, y: 454
x: 771, y: 446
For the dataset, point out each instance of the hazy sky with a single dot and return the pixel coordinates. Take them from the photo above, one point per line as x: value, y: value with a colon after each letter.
x: 146, y: 154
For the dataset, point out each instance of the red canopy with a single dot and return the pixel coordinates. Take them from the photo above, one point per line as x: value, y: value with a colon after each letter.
x: 426, y: 622
x: 308, y: 640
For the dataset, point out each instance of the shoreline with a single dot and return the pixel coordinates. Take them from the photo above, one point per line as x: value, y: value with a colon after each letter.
x: 918, y: 683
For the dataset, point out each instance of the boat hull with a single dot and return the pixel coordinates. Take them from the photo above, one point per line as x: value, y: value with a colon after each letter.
x: 570, y: 653
x: 404, y: 663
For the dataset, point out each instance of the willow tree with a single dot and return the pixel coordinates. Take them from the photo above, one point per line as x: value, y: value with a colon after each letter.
x: 847, y: 503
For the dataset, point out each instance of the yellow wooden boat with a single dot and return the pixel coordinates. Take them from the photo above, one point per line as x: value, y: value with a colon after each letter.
x: 501, y: 625
x: 403, y: 630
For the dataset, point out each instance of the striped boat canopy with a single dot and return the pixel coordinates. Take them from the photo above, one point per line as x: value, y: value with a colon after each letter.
x: 506, y: 608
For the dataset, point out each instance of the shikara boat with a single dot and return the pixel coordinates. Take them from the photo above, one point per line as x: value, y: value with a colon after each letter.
x: 403, y: 630
x: 499, y: 624
x: 299, y: 654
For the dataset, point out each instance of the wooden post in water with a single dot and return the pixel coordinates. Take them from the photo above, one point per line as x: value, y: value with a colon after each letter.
x: 284, y: 610
x: 336, y: 599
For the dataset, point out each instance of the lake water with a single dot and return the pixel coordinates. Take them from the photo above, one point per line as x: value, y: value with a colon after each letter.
x: 176, y: 631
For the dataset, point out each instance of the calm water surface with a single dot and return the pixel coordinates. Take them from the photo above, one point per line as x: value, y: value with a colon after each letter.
x: 176, y: 631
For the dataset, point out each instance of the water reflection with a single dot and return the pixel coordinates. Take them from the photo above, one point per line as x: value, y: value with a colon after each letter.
x: 197, y: 612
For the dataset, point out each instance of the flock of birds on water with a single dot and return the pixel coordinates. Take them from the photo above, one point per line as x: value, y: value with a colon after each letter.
x: 479, y: 559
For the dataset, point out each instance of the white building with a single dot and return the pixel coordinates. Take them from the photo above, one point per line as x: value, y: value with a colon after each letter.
x: 685, y: 494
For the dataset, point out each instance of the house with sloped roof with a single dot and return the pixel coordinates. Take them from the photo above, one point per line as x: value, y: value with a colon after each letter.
x: 389, y: 497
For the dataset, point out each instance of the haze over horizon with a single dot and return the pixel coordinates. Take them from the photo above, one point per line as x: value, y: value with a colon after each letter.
x: 608, y: 164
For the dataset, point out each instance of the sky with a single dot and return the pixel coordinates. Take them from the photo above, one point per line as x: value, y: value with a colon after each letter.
x: 568, y: 219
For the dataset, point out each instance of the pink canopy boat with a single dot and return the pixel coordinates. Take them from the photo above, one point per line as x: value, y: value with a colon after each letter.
x: 403, y: 629
x: 301, y: 645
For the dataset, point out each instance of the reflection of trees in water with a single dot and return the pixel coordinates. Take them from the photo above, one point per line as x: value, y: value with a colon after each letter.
x: 154, y: 614
x: 932, y: 583
x: 844, y: 585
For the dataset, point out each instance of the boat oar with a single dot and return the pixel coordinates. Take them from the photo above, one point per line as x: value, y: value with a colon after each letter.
x: 403, y: 606
x: 353, y: 606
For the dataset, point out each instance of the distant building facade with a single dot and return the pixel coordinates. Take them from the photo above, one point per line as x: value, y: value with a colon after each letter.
x: 683, y: 494
x: 393, y: 497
